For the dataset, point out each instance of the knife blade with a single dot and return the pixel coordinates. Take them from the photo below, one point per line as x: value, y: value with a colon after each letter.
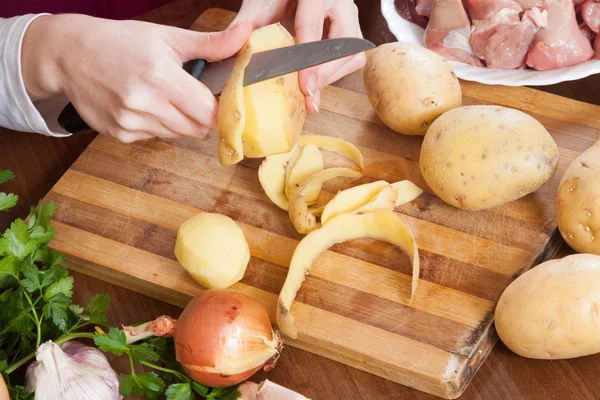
x: 273, y: 63
x: 263, y: 65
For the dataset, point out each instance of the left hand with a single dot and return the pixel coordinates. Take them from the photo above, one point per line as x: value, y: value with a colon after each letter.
x: 314, y: 20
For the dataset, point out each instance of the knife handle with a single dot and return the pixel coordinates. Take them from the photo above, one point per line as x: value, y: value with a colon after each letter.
x: 70, y: 120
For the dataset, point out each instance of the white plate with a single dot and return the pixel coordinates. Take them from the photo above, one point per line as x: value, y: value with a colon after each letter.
x: 408, y: 32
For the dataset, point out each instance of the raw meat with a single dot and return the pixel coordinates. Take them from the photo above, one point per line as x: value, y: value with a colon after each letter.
x: 503, y: 40
x: 407, y: 10
x: 448, y: 32
x: 529, y: 4
x: 560, y: 43
x: 590, y: 12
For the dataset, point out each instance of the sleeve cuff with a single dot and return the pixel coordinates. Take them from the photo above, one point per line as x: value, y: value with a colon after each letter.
x: 17, y: 111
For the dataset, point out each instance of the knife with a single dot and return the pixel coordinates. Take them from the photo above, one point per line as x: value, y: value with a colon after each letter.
x: 263, y: 65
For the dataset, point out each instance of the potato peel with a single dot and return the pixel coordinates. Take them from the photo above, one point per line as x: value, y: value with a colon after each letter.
x: 347, y: 200
x: 271, y: 175
x: 381, y: 224
x: 334, y: 144
x: 302, y: 219
x: 308, y: 163
x: 232, y: 113
x: 385, y: 199
x: 407, y: 192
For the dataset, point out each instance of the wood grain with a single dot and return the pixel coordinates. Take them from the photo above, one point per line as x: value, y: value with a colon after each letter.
x: 119, y: 207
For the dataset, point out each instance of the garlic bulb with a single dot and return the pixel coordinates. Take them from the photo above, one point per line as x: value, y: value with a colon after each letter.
x: 72, y: 371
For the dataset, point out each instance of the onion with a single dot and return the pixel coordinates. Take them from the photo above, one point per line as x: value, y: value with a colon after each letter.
x: 3, y: 389
x: 223, y: 337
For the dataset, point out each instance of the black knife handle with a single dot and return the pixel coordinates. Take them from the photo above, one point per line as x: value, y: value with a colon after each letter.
x: 70, y: 120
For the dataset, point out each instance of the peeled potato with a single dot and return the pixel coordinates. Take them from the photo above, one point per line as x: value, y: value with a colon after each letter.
x: 308, y: 163
x: 264, y: 118
x: 212, y: 248
x: 381, y: 224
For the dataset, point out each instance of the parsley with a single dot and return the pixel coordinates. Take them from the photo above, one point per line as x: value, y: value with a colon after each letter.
x: 6, y: 175
x: 36, y: 291
x: 150, y: 384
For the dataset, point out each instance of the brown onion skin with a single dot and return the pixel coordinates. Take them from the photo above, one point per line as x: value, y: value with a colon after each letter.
x: 205, y: 322
x: 217, y: 380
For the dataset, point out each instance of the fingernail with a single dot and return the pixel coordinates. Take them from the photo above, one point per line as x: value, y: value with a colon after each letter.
x: 311, y: 86
x: 232, y: 27
x: 314, y: 104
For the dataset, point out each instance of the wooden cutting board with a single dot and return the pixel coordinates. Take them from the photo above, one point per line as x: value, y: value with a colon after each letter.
x: 119, y: 207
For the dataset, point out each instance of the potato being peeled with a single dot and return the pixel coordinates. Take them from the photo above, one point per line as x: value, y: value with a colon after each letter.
x: 410, y: 86
x: 212, y: 248
x: 479, y: 157
x: 553, y: 310
x: 578, y: 202
x: 265, y: 118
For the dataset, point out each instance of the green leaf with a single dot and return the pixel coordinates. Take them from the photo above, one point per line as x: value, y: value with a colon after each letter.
x: 18, y: 239
x: 41, y: 234
x: 21, y: 323
x: 48, y: 257
x: 151, y: 381
x: 32, y: 220
x: 76, y: 310
x: 96, y: 309
x: 228, y: 393
x: 8, y: 200
x: 59, y: 315
x: 45, y: 211
x: 114, y: 342
x: 64, y: 286
x: 3, y: 365
x: 143, y: 352
x: 126, y: 384
x: 9, y: 266
x: 3, y: 247
x: 6, y: 175
x: 179, y: 391
x: 31, y: 283
x: 200, y: 389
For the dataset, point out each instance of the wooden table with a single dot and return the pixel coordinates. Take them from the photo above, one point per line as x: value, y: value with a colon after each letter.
x: 39, y: 161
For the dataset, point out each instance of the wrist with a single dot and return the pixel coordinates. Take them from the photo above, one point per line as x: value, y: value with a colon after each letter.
x: 40, y: 58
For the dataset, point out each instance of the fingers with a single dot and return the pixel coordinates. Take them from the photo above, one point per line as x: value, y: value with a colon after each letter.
x: 309, y: 28
x: 192, y: 99
x: 212, y: 46
x: 260, y: 12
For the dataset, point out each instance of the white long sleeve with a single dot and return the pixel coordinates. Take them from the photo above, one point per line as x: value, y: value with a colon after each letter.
x: 17, y: 111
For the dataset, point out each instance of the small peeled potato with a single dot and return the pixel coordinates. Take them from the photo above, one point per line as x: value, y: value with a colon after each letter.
x: 553, y: 310
x: 410, y: 86
x: 212, y: 248
x: 578, y: 202
x: 479, y: 157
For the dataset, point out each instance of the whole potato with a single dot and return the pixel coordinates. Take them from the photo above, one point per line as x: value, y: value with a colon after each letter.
x: 553, y: 310
x: 410, y: 86
x: 479, y: 157
x: 578, y: 202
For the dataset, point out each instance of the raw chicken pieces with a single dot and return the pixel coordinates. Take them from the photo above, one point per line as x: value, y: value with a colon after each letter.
x: 590, y: 13
x: 448, y: 32
x: 561, y: 43
x: 424, y: 7
x: 499, y: 36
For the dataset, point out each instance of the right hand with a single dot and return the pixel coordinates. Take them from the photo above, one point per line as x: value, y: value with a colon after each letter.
x: 125, y: 78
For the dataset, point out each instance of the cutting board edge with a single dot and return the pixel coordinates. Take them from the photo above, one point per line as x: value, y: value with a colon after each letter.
x: 442, y: 388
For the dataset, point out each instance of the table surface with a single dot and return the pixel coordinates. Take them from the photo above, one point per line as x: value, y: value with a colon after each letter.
x: 39, y: 161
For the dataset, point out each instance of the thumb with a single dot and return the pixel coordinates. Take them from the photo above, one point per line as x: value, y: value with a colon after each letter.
x: 261, y: 12
x: 212, y: 46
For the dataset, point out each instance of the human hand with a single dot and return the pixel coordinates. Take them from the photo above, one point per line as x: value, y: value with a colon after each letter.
x: 125, y: 78
x: 314, y: 20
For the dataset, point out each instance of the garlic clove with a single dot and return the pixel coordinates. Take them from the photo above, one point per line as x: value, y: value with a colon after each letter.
x: 267, y: 390
x: 71, y: 371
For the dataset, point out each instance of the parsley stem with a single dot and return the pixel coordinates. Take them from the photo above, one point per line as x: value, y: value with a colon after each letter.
x: 167, y: 370
x: 35, y: 317
x: 60, y: 340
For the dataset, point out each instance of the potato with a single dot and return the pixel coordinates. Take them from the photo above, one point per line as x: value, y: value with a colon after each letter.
x: 212, y: 248
x: 553, y: 310
x: 479, y: 157
x: 264, y: 118
x: 578, y: 202
x: 274, y: 108
x: 410, y: 86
